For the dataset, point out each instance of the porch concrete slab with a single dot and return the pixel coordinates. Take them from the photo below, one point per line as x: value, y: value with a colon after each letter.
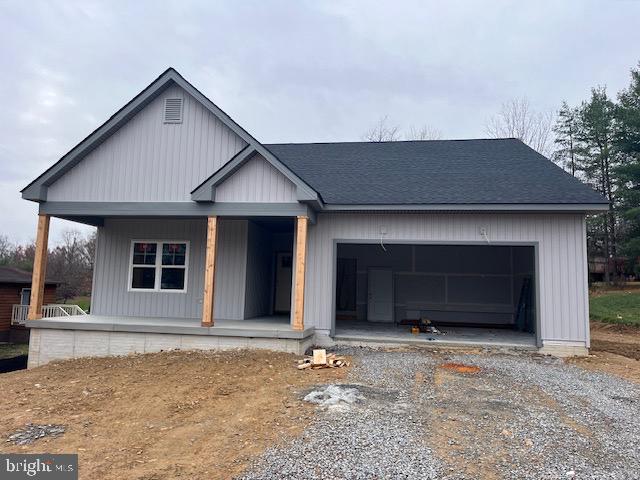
x: 369, y: 332
x: 276, y: 327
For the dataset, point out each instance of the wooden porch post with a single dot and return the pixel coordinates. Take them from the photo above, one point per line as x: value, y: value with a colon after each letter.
x: 210, y: 272
x: 39, y: 268
x: 301, y: 263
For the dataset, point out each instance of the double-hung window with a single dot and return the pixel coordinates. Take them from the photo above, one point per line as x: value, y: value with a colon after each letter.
x: 159, y: 266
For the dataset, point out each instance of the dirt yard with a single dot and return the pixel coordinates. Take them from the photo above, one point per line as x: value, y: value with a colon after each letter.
x: 170, y: 415
x: 615, y: 349
x: 470, y: 414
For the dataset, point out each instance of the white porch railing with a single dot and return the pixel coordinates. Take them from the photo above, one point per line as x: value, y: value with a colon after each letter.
x: 20, y: 312
x: 61, y: 310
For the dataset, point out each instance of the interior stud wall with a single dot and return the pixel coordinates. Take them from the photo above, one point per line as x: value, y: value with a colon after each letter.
x: 460, y: 284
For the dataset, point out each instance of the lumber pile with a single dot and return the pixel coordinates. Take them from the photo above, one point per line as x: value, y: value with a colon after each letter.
x: 320, y: 359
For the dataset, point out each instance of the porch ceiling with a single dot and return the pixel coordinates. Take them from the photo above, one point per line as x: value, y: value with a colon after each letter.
x: 94, y: 213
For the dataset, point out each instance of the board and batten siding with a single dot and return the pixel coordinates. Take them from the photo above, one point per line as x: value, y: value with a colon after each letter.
x: 111, y: 295
x: 561, y: 251
x: 149, y: 160
x: 257, y: 181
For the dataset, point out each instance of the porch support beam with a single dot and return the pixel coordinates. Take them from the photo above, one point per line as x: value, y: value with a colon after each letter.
x: 301, y: 262
x: 100, y: 210
x: 39, y: 268
x: 210, y: 272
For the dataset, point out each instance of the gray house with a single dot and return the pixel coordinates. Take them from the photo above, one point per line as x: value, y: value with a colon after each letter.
x: 208, y: 238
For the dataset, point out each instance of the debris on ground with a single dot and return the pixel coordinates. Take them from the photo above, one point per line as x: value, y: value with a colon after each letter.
x: 461, y: 367
x: 427, y: 326
x: 321, y: 359
x: 32, y: 432
x: 332, y: 395
x: 422, y: 325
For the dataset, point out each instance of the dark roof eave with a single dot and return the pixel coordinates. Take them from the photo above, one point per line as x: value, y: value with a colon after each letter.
x: 506, y: 207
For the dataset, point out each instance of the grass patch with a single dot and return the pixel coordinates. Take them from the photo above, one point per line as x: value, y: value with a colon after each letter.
x: 621, y: 307
x: 10, y: 350
x: 83, y: 302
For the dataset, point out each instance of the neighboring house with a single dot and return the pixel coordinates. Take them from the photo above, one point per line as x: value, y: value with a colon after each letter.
x: 208, y: 238
x: 15, y: 291
x: 598, y: 268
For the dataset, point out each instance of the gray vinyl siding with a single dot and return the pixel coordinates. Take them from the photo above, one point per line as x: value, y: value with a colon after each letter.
x: 110, y: 289
x: 231, y: 267
x: 148, y: 160
x: 257, y: 181
x: 560, y: 240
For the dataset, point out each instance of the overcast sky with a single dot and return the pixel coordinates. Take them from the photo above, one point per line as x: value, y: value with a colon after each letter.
x: 294, y: 71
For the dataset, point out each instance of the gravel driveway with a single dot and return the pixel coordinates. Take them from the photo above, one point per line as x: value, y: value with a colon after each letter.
x: 519, y: 416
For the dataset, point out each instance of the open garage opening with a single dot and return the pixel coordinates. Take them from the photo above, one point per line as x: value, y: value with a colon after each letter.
x: 472, y: 294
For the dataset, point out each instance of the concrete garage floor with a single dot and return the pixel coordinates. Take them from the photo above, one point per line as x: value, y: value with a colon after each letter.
x: 370, y: 332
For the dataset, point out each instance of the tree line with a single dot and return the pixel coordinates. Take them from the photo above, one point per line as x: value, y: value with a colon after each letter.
x: 598, y: 141
x: 70, y: 262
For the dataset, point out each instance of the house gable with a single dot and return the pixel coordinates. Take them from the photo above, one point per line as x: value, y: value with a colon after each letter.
x: 139, y: 182
x: 265, y: 172
x: 256, y: 181
x: 150, y: 160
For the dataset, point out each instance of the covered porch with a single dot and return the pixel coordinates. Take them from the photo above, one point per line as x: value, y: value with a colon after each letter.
x: 227, y: 267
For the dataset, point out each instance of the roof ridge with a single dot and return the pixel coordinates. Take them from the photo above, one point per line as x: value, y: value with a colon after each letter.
x: 354, y: 142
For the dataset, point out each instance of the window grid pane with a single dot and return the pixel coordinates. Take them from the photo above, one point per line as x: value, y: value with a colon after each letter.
x: 172, y: 279
x: 174, y: 253
x: 144, y: 278
x: 144, y: 253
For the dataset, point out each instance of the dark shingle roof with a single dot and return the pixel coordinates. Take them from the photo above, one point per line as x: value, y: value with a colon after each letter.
x: 501, y: 171
x: 15, y: 275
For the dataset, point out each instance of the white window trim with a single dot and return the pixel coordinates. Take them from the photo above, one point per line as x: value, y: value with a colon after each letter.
x: 158, y: 266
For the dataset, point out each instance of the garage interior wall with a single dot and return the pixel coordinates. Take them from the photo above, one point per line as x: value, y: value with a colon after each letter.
x: 452, y: 284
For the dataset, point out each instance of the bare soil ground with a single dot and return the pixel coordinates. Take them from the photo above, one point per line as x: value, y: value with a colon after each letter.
x: 615, y: 349
x: 169, y: 415
x: 205, y: 415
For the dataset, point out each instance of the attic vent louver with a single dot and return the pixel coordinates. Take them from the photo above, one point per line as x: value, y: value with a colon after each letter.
x: 172, y: 110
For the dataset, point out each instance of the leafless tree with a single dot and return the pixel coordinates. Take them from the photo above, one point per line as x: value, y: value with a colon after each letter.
x: 382, y: 132
x: 518, y: 120
x: 5, y: 249
x: 426, y: 132
x: 71, y: 263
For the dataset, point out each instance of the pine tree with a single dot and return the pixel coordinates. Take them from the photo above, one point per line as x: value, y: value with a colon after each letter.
x: 627, y: 141
x: 596, y: 135
x: 566, y: 130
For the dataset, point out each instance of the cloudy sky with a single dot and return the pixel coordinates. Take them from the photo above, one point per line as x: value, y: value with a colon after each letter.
x: 294, y: 71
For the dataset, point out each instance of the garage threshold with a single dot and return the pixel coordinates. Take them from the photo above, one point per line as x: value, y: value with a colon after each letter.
x: 368, y: 333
